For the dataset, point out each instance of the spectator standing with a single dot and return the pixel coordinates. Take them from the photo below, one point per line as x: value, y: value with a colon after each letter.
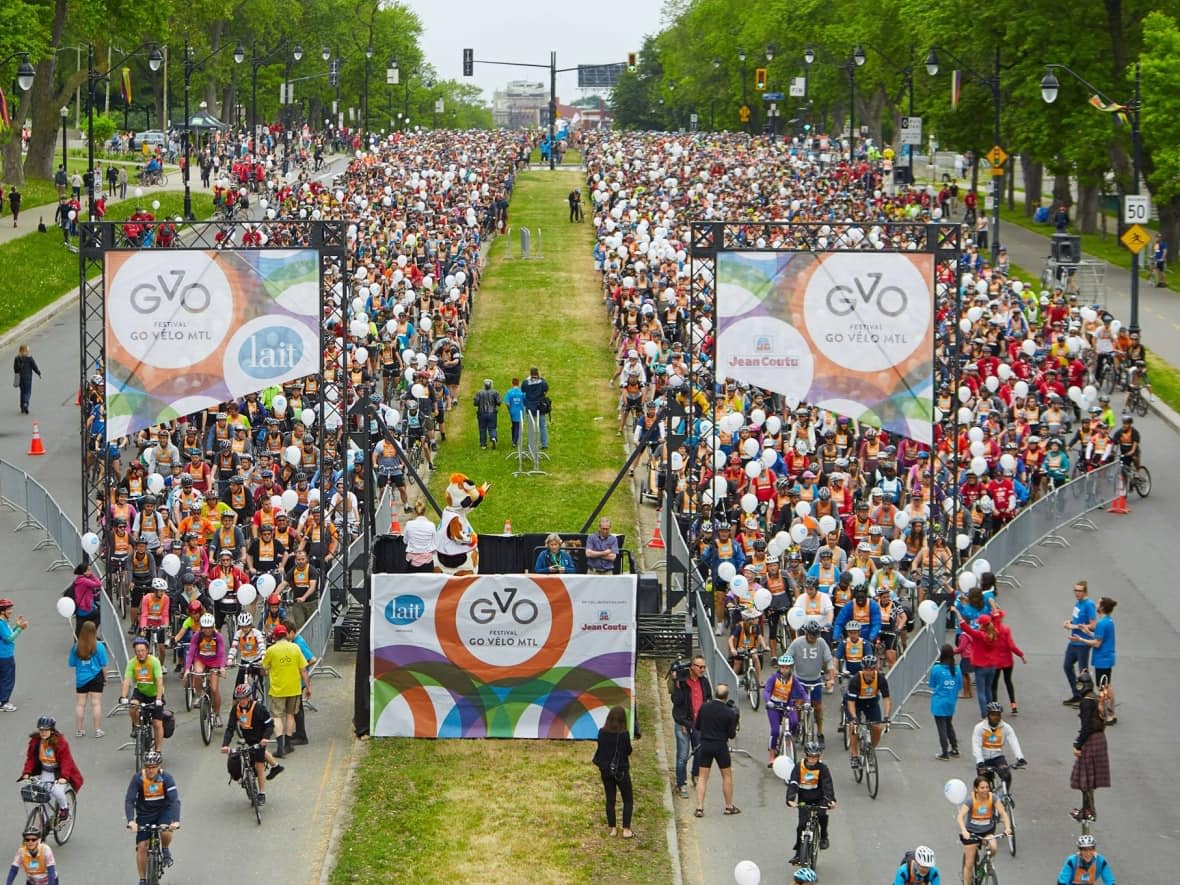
x: 1091, y: 766
x: 88, y: 657
x: 717, y: 723
x: 23, y: 367
x: 1103, y: 658
x: 1061, y: 218
x: 14, y: 201
x: 61, y: 181
x: 1080, y: 627
x: 419, y: 537
x: 286, y: 666
x: 945, y: 682
x: 76, y: 184
x: 122, y: 182
x: 613, y: 758
x: 602, y: 550
x: 487, y: 405
x: 690, y: 690
x: 84, y: 592
x: 1159, y: 261
x: 536, y: 397
x: 514, y: 400
x: 10, y: 628
x: 1008, y: 652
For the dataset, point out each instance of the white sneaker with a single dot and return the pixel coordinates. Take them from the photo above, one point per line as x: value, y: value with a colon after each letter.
x: 100, y: 733
x: 7, y: 708
x: 79, y: 734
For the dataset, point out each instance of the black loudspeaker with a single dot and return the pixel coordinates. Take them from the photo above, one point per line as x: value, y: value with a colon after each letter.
x: 647, y: 593
x: 1067, y: 248
x: 901, y: 175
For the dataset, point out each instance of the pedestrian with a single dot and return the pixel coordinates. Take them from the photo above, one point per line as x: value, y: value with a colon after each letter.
x: 76, y: 184
x: 945, y: 682
x: 1159, y: 261
x: 299, y: 738
x: 1008, y: 652
x: 1061, y: 218
x: 537, y: 404
x: 1103, y: 658
x: 987, y: 653
x: 14, y: 201
x: 690, y: 689
x: 514, y: 400
x: 88, y: 657
x: 1080, y: 627
x: 286, y: 666
x: 575, y: 201
x: 487, y: 405
x: 122, y: 182
x: 23, y: 367
x: 112, y: 178
x: 1091, y: 765
x: 61, y: 180
x: 10, y: 628
x: 717, y: 723
x: 419, y: 535
x: 84, y: 591
x: 613, y: 758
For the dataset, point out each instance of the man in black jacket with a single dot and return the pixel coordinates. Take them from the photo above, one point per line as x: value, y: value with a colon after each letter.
x: 689, y: 693
x: 256, y: 726
x: 717, y: 723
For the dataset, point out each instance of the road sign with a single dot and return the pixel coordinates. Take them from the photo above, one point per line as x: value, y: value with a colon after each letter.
x: 744, y: 114
x: 798, y: 87
x: 911, y: 131
x: 693, y: 120
x: 1136, y: 209
x: 1135, y: 238
x: 997, y: 156
x: 773, y: 96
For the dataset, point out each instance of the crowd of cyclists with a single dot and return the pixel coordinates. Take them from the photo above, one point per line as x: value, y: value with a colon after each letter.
x: 820, y: 535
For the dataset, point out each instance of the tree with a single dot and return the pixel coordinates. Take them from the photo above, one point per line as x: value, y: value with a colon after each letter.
x: 1160, y: 118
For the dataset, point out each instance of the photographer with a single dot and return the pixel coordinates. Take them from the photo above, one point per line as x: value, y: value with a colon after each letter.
x: 717, y: 723
x: 690, y: 690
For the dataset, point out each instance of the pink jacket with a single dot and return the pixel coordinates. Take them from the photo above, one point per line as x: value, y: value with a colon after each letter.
x: 987, y: 652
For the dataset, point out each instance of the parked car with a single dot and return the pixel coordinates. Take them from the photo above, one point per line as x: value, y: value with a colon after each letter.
x: 153, y: 137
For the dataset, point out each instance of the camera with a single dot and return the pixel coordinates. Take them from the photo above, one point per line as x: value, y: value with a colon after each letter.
x: 679, y: 670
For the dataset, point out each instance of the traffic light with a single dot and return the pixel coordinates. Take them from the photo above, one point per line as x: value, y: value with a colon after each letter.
x: 468, y: 62
x: 760, y: 79
x: 632, y: 62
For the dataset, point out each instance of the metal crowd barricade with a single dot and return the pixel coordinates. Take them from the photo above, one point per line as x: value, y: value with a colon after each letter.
x: 715, y: 659
x: 12, y: 487
x: 317, y: 633
x: 112, y: 636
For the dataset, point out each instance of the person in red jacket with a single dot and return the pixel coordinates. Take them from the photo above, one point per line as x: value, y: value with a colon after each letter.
x: 49, y: 759
x: 988, y: 650
x: 1008, y: 659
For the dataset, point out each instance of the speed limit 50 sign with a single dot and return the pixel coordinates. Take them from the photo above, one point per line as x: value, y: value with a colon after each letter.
x: 1136, y: 209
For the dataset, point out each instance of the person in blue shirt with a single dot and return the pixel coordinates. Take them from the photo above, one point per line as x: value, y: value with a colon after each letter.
x: 1087, y: 865
x: 1080, y: 627
x: 918, y: 868
x: 945, y: 682
x: 10, y: 628
x: 514, y: 400
x: 88, y: 657
x: 1103, y: 656
x: 553, y: 560
x: 857, y: 608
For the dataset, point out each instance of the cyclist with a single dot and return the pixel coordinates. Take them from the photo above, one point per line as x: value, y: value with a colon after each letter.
x: 918, y: 868
x: 893, y: 621
x: 249, y: 645
x: 1087, y: 866
x: 146, y: 674
x: 815, y: 668
x: 811, y: 784
x: 851, y: 650
x: 35, y: 859
x: 866, y: 691
x: 154, y: 617
x: 274, y: 615
x: 632, y: 383
x: 988, y: 741
x: 746, y: 636
x: 206, y: 654
x: 143, y: 571
x: 152, y: 798
x: 1137, y: 380
x: 228, y: 571
x: 815, y: 603
x: 256, y: 726
x: 860, y: 609
x: 977, y: 822
x: 48, y: 758
x: 1127, y: 439
x: 783, y: 694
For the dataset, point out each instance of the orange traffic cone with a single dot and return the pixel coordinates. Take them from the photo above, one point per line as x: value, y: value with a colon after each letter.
x: 508, y: 526
x: 1119, y: 505
x: 78, y: 398
x: 656, y: 542
x: 36, y: 447
x: 395, y: 527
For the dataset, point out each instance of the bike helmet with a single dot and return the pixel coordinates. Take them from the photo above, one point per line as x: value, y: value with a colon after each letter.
x: 152, y: 757
x: 1127, y: 418
x: 995, y: 707
x: 194, y: 606
x: 245, y: 619
x: 825, y: 493
x: 149, y: 499
x: 31, y: 833
x: 141, y: 540
x: 825, y: 553
x: 242, y: 691
x: 853, y: 626
x: 805, y: 874
x: 159, y: 584
x: 868, y: 662
x: 813, y: 628
x: 812, y: 748
x: 924, y: 856
x: 46, y: 722
x: 207, y: 620
x: 786, y: 661
x: 139, y: 640
x: 864, y: 547
x: 759, y: 544
x: 1084, y: 683
x: 1087, y: 840
x: 886, y: 561
x: 812, y: 581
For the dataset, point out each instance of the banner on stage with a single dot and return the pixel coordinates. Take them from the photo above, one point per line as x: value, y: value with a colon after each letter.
x: 506, y: 656
x: 187, y: 329
x: 851, y: 332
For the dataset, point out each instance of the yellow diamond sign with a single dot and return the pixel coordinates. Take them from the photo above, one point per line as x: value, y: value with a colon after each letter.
x: 997, y: 156
x: 1135, y: 238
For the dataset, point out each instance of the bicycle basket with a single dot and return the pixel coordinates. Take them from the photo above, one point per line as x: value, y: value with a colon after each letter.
x: 35, y: 791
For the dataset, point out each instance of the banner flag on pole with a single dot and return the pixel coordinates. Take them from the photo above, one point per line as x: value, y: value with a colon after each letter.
x: 1112, y: 108
x: 125, y: 86
x: 4, y: 118
x: 956, y: 87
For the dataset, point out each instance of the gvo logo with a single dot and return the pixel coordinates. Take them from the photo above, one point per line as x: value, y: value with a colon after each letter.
x: 891, y: 300
x: 484, y: 610
x: 404, y: 610
x: 193, y: 297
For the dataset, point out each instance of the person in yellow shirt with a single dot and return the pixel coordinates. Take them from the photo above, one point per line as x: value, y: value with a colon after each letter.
x: 286, y: 666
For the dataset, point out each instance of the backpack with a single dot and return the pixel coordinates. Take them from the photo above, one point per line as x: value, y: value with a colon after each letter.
x: 907, y: 862
x: 233, y: 764
x: 169, y: 720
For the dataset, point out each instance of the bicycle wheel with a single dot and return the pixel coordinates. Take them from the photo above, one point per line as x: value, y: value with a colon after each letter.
x: 812, y: 855
x: 206, y: 714
x: 859, y: 772
x: 1141, y: 406
x: 988, y: 877
x: 1142, y: 481
x: 155, y: 865
x: 753, y: 689
x: 141, y: 746
x: 62, y: 829
x: 1106, y: 382
x: 37, y: 821
x: 845, y: 725
x: 122, y: 596
x: 1009, y: 806
x: 872, y: 774
x: 189, y: 696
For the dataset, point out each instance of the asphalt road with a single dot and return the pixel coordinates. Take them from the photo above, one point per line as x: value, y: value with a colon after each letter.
x: 1137, y: 826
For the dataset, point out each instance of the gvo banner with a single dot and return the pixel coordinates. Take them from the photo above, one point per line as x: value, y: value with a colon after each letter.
x: 851, y: 332
x: 523, y: 656
x: 188, y: 329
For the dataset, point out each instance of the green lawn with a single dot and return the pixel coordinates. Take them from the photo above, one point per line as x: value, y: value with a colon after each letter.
x: 47, y: 270
x: 1165, y: 381
x: 573, y: 157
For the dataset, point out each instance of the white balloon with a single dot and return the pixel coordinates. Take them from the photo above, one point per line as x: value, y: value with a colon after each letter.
x: 290, y: 500
x: 155, y: 483
x: 739, y: 584
x: 992, y: 383
x: 798, y: 533
x: 727, y: 571
x: 964, y: 394
x: 784, y: 765
x: 795, y: 618
x: 90, y: 543
x: 719, y: 460
x: 928, y: 611
x: 774, y: 424
x: 265, y: 584
x: 967, y: 580
x: 749, y: 502
x: 720, y: 486
x: 769, y: 457
x: 964, y: 416
x: 961, y: 541
x: 1020, y: 388
x: 964, y: 325
x: 292, y: 455
x: 975, y: 434
x: 981, y: 567
x: 279, y: 405
x: 247, y: 594
x: 171, y: 564
x: 747, y: 873
x: 218, y: 588
x: 276, y: 502
x: 66, y: 607
x: 1028, y: 346
x: 828, y: 524
x: 955, y: 791
x: 677, y: 461
x: 858, y: 575
x: 1074, y: 393
x: 897, y: 548
x: 901, y: 519
x: 762, y: 599
x: 1004, y: 371
x: 979, y: 466
x: 757, y: 417
x: 753, y: 468
x: 307, y: 416
x: 977, y: 448
x: 802, y: 509
x: 1008, y: 462
x: 750, y: 448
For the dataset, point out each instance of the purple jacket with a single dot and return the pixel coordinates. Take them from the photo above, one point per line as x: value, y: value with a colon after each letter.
x: 799, y: 695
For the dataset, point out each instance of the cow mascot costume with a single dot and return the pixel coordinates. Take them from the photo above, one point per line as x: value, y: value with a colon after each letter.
x: 456, y: 544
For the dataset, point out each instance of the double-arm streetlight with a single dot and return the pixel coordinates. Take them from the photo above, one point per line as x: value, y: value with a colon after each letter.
x: 1049, y: 90
x: 856, y: 59
x: 257, y: 61
x: 191, y: 65
x: 992, y: 83
x: 155, y: 60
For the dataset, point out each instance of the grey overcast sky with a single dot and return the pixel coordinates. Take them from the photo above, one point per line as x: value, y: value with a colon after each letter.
x: 598, y: 32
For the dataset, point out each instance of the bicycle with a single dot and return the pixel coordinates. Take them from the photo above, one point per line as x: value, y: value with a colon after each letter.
x: 143, y: 735
x: 1137, y: 478
x: 748, y: 681
x: 44, y: 816
x: 807, y: 731
x: 809, y: 840
x: 249, y: 779
x: 788, y: 745
x: 204, y: 702
x: 1004, y: 796
x: 155, y: 853
x: 1137, y: 402
x: 984, y: 873
x: 121, y: 586
x: 867, y: 770
x: 253, y: 677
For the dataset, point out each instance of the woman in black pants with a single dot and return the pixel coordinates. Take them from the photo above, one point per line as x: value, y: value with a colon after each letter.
x: 613, y: 758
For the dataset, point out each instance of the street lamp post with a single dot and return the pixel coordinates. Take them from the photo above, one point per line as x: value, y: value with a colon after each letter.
x: 1049, y: 90
x: 190, y: 66
x: 257, y: 61
x: 365, y: 98
x: 856, y: 59
x: 65, y: 115
x: 908, y: 73
x: 992, y: 83
x: 742, y: 58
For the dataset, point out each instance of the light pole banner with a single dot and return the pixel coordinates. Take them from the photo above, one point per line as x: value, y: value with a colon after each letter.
x: 850, y: 332
x: 505, y: 656
x: 187, y: 329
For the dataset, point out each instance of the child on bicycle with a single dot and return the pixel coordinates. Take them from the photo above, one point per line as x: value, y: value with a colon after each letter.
x: 784, y: 695
x: 248, y: 646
